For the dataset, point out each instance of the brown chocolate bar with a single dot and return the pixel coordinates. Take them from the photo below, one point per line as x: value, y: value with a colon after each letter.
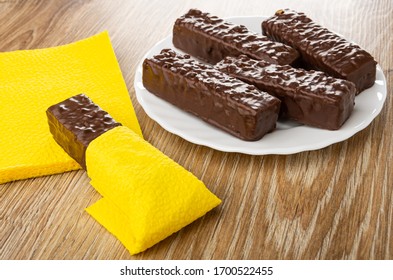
x: 77, y: 121
x: 198, y: 88
x: 211, y: 39
x: 309, y: 97
x: 322, y: 49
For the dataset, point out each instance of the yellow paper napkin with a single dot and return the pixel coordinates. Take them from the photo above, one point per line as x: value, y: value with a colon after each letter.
x: 147, y: 196
x: 33, y: 80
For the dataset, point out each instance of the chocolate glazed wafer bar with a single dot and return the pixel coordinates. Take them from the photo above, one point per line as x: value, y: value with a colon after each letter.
x: 322, y: 49
x: 309, y: 97
x: 226, y: 102
x: 77, y: 121
x: 210, y: 38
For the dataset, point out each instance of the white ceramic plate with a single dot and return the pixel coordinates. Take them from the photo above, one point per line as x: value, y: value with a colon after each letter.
x: 288, y: 138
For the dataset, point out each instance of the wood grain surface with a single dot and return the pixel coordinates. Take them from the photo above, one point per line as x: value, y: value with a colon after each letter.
x: 333, y: 203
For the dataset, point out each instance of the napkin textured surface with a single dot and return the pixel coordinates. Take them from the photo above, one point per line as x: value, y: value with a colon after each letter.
x: 33, y: 80
x: 147, y: 196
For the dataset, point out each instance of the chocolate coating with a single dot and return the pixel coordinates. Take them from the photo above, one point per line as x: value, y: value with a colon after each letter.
x: 226, y: 102
x: 309, y: 97
x: 211, y: 39
x: 322, y: 49
x: 77, y: 121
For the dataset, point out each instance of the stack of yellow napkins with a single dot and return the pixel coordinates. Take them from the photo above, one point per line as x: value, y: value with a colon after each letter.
x: 146, y: 195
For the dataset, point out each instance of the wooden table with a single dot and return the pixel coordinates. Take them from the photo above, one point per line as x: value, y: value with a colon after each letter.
x: 332, y: 203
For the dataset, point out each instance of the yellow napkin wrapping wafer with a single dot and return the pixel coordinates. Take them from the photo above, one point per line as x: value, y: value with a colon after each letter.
x: 147, y: 196
x: 33, y: 80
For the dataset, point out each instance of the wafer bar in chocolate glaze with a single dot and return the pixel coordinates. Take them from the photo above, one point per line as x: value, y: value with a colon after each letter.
x: 77, y: 121
x: 211, y: 39
x: 322, y: 49
x: 309, y: 97
x: 198, y: 88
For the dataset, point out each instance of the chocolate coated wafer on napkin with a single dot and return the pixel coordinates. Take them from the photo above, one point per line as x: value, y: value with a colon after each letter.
x: 146, y: 195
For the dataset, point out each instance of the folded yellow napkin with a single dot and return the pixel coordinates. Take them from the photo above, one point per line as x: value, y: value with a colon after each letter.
x: 33, y: 80
x: 147, y: 196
